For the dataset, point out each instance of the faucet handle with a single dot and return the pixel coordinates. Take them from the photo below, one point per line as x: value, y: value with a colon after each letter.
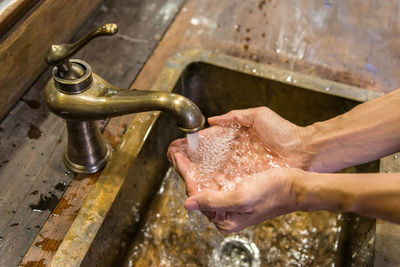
x: 59, y: 55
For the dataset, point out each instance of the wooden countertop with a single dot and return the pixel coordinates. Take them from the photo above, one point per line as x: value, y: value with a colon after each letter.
x: 353, y: 42
x: 34, y: 182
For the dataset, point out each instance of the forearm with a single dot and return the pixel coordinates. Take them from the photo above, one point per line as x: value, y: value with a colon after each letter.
x: 367, y: 132
x: 375, y: 195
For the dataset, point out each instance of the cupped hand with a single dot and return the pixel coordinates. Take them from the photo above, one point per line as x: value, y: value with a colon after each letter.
x: 278, y: 134
x: 261, y: 197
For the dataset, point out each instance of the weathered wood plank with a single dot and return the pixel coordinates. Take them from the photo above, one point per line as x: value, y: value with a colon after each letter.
x: 22, y: 53
x: 30, y: 174
x: 12, y: 12
x: 117, y: 59
x: 52, y: 233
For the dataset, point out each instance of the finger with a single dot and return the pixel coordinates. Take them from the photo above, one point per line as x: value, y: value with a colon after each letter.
x: 183, y: 166
x: 216, y: 201
x: 182, y: 163
x: 233, y: 222
x: 220, y: 216
x: 244, y: 117
x: 210, y: 214
x: 174, y: 147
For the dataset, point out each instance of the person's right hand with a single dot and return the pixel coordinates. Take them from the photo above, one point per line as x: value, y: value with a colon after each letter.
x: 261, y: 197
x: 278, y: 134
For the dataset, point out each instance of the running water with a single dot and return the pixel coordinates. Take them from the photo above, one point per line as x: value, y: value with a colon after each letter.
x: 193, y: 141
x: 223, y: 156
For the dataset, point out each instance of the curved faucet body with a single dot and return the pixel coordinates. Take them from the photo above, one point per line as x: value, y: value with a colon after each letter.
x: 87, y: 97
x: 102, y: 100
x: 81, y: 97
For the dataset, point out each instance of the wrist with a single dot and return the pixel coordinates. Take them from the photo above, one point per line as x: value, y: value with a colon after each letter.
x: 324, y: 142
x: 309, y: 146
x: 315, y: 191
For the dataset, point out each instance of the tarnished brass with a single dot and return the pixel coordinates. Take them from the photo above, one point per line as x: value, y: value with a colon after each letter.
x: 80, y: 97
x: 85, y: 153
x: 102, y: 100
x: 59, y: 55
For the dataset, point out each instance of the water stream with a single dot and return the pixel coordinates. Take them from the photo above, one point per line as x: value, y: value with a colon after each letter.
x: 193, y: 141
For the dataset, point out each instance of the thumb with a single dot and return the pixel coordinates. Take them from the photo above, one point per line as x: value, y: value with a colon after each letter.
x: 215, y: 201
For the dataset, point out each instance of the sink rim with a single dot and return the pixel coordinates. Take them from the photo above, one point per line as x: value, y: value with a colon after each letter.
x: 95, y: 208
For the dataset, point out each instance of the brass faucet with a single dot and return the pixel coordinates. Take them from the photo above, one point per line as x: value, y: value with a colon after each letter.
x: 79, y: 96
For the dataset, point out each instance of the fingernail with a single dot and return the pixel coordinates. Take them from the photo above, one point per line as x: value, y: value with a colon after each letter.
x: 191, y: 205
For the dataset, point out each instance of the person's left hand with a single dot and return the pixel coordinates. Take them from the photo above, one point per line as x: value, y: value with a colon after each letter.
x: 258, y: 198
x: 262, y: 196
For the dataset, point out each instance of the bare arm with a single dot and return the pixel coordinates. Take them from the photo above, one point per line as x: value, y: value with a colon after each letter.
x: 375, y: 195
x: 367, y: 132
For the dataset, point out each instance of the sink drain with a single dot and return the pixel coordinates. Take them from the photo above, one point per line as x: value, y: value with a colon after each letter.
x: 236, y: 252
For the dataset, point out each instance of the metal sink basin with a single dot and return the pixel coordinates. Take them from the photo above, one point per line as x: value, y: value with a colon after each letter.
x: 134, y: 215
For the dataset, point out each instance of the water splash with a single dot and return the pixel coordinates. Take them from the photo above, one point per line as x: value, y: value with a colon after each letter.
x: 227, y: 155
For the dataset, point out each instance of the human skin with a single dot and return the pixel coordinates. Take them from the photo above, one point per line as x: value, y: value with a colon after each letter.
x: 368, y: 132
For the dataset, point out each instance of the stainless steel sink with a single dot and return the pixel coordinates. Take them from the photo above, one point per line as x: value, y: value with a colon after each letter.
x: 125, y: 221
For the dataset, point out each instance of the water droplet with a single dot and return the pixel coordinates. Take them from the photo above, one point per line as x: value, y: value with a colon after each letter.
x: 34, y: 132
x: 195, y: 21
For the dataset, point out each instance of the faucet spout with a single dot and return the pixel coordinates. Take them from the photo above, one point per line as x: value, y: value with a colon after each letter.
x: 188, y: 116
x: 79, y: 96
x: 103, y: 100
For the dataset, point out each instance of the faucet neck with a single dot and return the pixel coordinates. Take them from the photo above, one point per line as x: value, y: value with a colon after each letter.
x: 77, y: 79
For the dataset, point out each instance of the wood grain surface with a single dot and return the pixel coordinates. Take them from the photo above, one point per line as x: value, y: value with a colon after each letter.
x: 13, y: 12
x: 32, y: 139
x: 22, y: 53
x: 353, y: 42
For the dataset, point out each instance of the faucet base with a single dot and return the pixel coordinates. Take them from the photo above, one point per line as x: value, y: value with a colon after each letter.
x: 87, y: 151
x: 87, y: 169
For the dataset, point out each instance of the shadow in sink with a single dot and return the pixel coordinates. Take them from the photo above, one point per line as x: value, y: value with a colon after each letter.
x: 169, y: 237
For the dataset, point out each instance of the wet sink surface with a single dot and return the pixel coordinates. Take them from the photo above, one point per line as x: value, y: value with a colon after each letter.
x: 168, y: 236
